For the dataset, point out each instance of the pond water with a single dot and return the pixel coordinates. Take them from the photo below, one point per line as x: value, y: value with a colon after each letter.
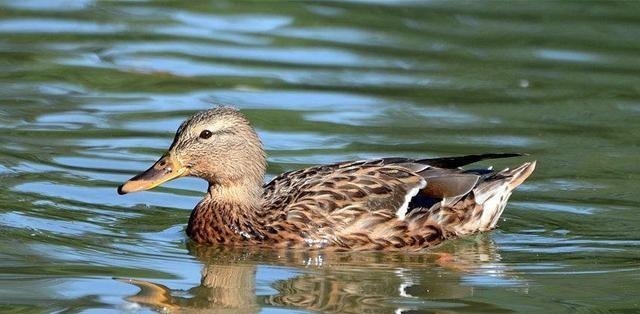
x: 92, y: 92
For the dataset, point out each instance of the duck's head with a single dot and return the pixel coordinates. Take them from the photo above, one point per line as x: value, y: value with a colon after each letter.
x: 218, y: 145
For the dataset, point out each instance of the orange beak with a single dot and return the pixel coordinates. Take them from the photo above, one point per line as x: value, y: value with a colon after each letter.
x: 165, y: 169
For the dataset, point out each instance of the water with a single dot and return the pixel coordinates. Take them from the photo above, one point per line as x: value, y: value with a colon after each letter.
x: 91, y: 93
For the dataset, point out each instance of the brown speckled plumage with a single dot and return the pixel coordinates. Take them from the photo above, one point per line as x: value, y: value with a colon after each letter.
x: 381, y: 204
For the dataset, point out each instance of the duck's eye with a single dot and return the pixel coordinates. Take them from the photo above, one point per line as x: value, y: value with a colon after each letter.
x: 205, y: 134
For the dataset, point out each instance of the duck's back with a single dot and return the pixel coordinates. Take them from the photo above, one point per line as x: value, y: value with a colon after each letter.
x: 390, y: 203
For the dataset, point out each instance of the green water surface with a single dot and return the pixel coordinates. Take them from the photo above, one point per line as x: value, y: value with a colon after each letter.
x: 91, y: 92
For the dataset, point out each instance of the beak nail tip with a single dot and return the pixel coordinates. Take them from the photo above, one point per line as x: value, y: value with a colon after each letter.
x: 120, y: 191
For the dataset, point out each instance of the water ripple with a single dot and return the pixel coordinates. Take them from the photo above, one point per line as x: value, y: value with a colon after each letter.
x: 49, y: 25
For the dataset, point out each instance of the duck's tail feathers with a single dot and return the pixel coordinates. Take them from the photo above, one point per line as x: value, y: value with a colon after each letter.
x: 493, y: 193
x: 481, y: 209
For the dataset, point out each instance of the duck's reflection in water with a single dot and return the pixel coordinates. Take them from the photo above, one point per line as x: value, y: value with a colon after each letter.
x: 333, y: 282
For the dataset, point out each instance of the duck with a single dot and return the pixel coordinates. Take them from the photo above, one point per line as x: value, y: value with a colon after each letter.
x: 390, y: 203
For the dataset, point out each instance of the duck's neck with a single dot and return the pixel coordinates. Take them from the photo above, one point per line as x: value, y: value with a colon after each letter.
x: 229, y: 213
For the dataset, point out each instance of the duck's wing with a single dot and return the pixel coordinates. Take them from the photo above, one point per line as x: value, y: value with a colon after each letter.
x: 386, y: 176
x: 319, y: 194
x: 361, y: 204
x: 380, y: 204
x: 384, y: 187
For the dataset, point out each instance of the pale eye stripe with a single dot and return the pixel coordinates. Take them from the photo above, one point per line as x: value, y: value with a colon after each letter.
x: 224, y: 131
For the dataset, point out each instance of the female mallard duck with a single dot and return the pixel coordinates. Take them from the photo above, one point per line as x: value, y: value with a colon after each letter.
x: 380, y: 204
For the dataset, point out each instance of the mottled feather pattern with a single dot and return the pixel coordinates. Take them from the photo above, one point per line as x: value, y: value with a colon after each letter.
x: 350, y: 206
x: 344, y: 205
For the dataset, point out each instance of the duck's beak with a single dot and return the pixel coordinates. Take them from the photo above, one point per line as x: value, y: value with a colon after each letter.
x: 165, y: 169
